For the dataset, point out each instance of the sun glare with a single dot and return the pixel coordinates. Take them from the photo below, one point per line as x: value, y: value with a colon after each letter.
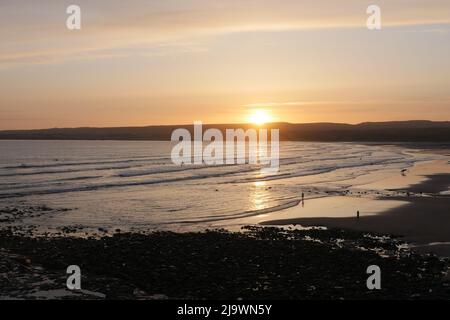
x: 259, y: 117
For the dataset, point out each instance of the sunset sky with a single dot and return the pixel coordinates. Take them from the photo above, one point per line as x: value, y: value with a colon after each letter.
x: 145, y: 62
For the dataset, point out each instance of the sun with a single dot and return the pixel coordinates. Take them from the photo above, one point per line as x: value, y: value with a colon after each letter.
x: 259, y: 117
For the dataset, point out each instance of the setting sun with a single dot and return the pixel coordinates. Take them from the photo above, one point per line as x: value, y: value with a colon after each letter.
x: 260, y: 117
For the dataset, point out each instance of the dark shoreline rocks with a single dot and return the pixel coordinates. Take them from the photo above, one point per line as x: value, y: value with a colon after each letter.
x: 18, y: 213
x: 258, y: 263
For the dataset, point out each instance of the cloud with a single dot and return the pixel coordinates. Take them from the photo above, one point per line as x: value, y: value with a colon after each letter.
x: 100, y: 52
x: 274, y: 104
x: 344, y: 102
x: 35, y: 33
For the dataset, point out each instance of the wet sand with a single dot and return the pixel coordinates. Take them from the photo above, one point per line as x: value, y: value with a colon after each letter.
x: 424, y: 220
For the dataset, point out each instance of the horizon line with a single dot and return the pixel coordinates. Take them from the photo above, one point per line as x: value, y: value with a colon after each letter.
x: 231, y: 124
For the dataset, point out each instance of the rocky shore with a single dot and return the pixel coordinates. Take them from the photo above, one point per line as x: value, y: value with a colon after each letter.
x: 258, y: 263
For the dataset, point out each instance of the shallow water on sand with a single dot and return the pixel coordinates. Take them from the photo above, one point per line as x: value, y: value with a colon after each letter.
x: 326, y: 207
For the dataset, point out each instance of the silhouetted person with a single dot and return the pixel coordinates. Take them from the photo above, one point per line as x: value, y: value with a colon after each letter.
x: 357, y: 214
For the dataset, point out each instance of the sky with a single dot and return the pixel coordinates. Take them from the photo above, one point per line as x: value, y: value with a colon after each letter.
x: 147, y: 62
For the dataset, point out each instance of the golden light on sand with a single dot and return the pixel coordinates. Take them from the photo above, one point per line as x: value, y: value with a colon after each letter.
x: 259, y: 117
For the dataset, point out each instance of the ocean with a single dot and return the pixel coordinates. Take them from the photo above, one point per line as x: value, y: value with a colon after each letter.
x: 134, y: 184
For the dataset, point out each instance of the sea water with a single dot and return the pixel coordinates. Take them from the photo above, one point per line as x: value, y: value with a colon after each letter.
x: 135, y: 185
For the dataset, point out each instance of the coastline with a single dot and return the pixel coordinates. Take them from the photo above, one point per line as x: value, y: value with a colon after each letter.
x: 424, y: 220
x: 258, y: 263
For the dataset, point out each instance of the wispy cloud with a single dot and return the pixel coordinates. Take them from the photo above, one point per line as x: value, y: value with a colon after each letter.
x: 380, y: 102
x: 274, y: 104
x: 34, y: 32
x: 102, y: 51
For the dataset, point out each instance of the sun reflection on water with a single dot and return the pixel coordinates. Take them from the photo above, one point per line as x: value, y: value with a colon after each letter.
x: 258, y: 195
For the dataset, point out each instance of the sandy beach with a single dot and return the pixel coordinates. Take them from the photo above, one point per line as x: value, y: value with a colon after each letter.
x: 416, y: 207
x: 403, y: 217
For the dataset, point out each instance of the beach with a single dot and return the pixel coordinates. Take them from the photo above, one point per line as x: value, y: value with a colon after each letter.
x: 134, y: 186
x: 298, y: 238
x: 419, y: 213
x: 207, y: 151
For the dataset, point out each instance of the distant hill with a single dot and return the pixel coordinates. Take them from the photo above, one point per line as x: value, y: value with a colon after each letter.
x: 396, y: 131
